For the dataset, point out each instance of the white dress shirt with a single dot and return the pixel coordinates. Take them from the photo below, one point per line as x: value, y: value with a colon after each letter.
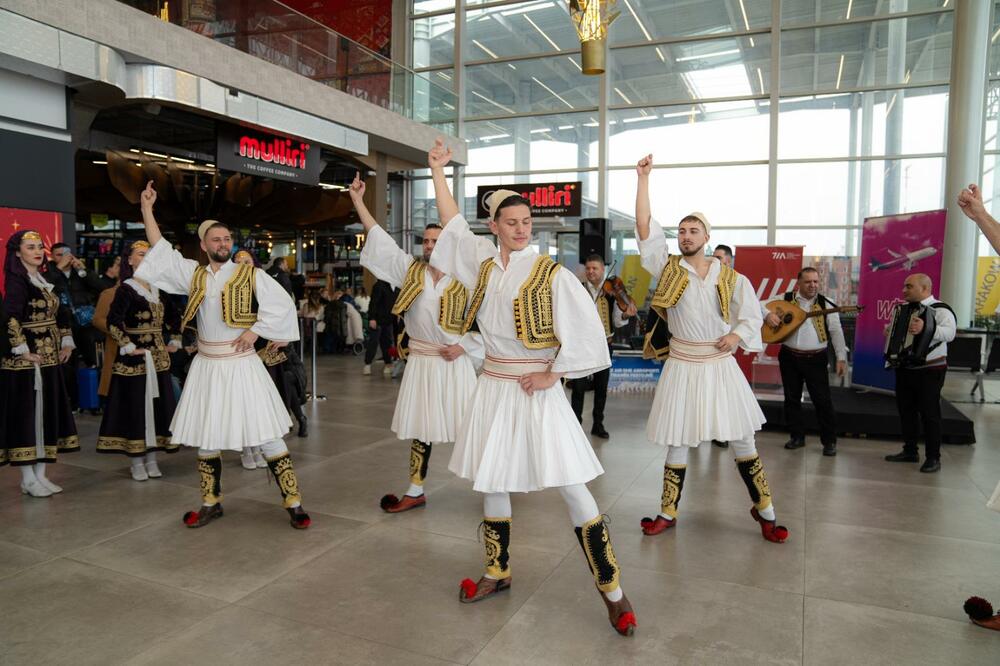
x: 618, y: 318
x: 944, y: 332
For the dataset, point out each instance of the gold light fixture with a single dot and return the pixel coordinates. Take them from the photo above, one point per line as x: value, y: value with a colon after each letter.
x: 592, y: 18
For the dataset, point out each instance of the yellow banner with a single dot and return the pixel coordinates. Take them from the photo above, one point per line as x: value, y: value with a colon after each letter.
x: 636, y: 279
x: 987, y: 285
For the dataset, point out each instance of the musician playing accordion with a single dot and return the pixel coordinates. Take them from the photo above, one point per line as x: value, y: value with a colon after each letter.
x: 803, y: 359
x: 919, y: 379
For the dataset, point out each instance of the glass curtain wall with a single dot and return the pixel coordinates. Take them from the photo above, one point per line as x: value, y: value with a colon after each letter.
x: 788, y: 127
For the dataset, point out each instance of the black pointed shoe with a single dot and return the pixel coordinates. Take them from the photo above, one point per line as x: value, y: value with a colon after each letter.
x: 599, y: 431
x: 795, y: 443
x: 930, y: 466
x: 903, y: 456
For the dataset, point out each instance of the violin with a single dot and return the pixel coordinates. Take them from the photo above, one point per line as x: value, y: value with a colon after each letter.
x: 615, y: 288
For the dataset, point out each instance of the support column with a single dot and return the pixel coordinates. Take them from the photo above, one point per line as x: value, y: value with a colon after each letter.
x: 773, y: 109
x: 963, y: 164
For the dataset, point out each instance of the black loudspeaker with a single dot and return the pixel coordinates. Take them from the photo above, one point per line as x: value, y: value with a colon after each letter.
x: 595, y: 238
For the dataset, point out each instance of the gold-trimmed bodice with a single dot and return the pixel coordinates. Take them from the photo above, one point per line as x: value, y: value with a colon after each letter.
x: 534, y: 319
x: 238, y: 301
x: 451, y: 308
x: 674, y: 280
x: 36, y: 327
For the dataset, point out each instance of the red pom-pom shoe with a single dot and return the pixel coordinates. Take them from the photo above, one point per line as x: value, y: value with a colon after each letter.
x: 980, y: 612
x: 621, y: 615
x: 298, y: 518
x: 392, y: 504
x: 203, y: 516
x: 770, y: 529
x: 652, y: 526
x: 471, y: 591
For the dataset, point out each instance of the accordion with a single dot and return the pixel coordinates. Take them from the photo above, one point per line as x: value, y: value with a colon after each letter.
x: 902, y: 348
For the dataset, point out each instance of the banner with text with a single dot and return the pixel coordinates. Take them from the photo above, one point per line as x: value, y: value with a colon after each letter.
x: 892, y: 247
x: 988, y: 286
x: 12, y: 220
x: 547, y: 199
x: 772, y: 270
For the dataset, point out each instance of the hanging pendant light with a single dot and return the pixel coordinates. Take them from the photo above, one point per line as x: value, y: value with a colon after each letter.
x: 592, y: 18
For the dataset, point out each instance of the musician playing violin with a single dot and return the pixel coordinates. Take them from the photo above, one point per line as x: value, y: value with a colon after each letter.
x: 609, y: 298
x: 803, y: 359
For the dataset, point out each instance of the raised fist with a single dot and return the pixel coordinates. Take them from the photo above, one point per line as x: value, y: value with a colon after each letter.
x: 970, y: 200
x: 645, y: 165
x: 439, y: 155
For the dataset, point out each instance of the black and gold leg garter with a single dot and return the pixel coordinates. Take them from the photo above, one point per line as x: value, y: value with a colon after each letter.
x: 596, y: 544
x: 210, y: 470
x: 673, y: 484
x: 288, y: 483
x: 420, y: 457
x: 496, y: 537
x: 752, y: 472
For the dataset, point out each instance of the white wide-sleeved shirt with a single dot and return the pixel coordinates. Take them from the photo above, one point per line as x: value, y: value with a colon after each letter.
x: 583, y: 347
x: 697, y: 317
x: 806, y: 339
x: 388, y: 262
x: 167, y: 269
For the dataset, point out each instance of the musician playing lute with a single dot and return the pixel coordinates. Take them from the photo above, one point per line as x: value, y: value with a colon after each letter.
x: 803, y: 360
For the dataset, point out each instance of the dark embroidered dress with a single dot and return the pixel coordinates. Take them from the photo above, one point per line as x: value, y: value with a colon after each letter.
x: 134, y: 321
x: 34, y: 318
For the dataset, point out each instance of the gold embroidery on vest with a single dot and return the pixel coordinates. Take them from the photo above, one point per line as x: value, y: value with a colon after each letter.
x: 819, y: 323
x: 237, y: 298
x: 196, y: 294
x: 604, y: 312
x: 413, y: 284
x: 533, y: 316
x: 478, y: 294
x: 674, y: 280
x: 452, y: 308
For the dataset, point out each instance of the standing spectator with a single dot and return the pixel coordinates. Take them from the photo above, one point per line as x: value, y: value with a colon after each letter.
x: 77, y: 288
x: 109, y: 278
x: 279, y: 271
x: 380, y: 324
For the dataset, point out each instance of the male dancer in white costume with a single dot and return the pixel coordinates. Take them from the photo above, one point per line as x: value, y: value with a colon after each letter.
x: 229, y: 401
x: 519, y: 435
x: 702, y: 394
x: 440, y: 376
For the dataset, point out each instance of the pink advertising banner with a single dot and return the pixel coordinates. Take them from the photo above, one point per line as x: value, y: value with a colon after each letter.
x: 892, y: 247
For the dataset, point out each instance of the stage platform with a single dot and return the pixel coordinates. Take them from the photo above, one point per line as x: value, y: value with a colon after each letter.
x: 871, y: 415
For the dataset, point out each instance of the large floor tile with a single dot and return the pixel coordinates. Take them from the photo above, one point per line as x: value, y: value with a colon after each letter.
x: 66, y: 612
x: 838, y: 633
x: 400, y: 587
x: 15, y: 559
x: 101, y: 510
x: 909, y: 572
x: 251, y: 545
x: 711, y: 544
x: 680, y: 621
x: 908, y: 508
x: 67, y: 475
x: 239, y: 636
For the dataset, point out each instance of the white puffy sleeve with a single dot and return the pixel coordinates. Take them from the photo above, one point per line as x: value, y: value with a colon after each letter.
x: 472, y: 343
x: 653, y: 251
x: 276, y: 318
x: 384, y: 258
x: 459, y: 252
x: 167, y: 269
x: 583, y: 348
x: 745, y: 316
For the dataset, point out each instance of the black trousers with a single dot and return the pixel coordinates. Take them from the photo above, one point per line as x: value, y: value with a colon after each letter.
x: 812, y: 370
x: 382, y: 337
x: 918, y: 399
x: 600, y: 396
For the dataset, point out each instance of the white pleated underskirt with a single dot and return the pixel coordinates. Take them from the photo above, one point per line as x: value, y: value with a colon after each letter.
x: 513, y: 442
x: 228, y: 404
x: 433, y: 398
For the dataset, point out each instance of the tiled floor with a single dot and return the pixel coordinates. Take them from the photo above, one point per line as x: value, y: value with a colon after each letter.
x: 879, y: 561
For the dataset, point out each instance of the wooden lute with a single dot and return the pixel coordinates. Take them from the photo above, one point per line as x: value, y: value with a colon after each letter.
x: 792, y: 316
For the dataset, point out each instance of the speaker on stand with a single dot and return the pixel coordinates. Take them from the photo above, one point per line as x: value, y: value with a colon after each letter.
x: 595, y: 238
